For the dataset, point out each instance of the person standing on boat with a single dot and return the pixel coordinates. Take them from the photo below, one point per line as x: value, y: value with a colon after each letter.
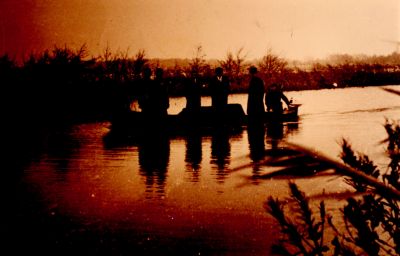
x: 274, y: 97
x: 161, y: 93
x: 155, y: 101
x: 193, y: 92
x: 219, y: 88
x: 144, y: 84
x: 255, y: 100
x: 157, y: 96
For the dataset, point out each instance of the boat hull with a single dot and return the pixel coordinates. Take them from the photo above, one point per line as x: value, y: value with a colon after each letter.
x: 206, y: 118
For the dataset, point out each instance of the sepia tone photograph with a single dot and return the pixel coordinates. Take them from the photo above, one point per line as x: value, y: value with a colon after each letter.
x: 202, y: 127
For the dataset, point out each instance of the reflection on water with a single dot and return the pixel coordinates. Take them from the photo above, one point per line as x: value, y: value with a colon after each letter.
x: 264, y: 141
x: 60, y: 148
x: 154, y: 153
x: 276, y: 132
x: 220, y: 154
x: 193, y: 155
x: 270, y: 135
x: 256, y: 139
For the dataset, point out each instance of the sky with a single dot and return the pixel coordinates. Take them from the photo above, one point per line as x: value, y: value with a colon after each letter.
x: 293, y: 29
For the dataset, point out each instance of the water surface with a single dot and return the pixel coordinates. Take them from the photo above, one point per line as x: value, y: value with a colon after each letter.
x: 186, y: 194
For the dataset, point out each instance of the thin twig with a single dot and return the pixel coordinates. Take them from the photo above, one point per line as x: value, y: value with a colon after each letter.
x: 381, y: 187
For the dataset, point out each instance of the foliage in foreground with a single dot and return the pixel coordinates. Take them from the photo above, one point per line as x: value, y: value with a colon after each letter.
x: 371, y: 223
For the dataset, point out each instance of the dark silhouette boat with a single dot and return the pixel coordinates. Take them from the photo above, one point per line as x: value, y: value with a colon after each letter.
x: 206, y: 118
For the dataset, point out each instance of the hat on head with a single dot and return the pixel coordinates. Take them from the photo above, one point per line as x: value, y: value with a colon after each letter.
x: 219, y: 70
x: 252, y: 70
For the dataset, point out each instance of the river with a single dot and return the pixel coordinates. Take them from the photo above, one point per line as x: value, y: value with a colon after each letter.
x: 184, y: 195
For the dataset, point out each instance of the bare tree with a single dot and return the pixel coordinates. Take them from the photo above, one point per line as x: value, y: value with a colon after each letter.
x: 228, y: 64
x: 239, y: 65
x: 198, y: 62
x: 234, y: 65
x: 272, y: 66
x: 106, y: 54
x: 139, y: 62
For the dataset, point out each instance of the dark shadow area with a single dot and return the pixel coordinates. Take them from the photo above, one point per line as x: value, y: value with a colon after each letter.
x: 275, y: 133
x: 61, y: 146
x: 39, y: 232
x: 193, y: 155
x: 115, y: 139
x: 220, y: 153
x: 256, y: 139
x: 34, y: 227
x: 154, y: 153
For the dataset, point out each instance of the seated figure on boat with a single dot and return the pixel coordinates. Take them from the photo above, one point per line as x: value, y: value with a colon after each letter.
x: 274, y: 97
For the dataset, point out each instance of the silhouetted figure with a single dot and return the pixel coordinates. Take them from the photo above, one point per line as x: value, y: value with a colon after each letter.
x: 274, y: 97
x: 275, y: 134
x: 144, y: 84
x: 154, y: 153
x: 160, y: 93
x: 219, y: 88
x: 256, y: 138
x: 255, y: 100
x: 124, y: 100
x: 193, y: 156
x: 220, y: 153
x: 193, y: 93
x: 155, y: 101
